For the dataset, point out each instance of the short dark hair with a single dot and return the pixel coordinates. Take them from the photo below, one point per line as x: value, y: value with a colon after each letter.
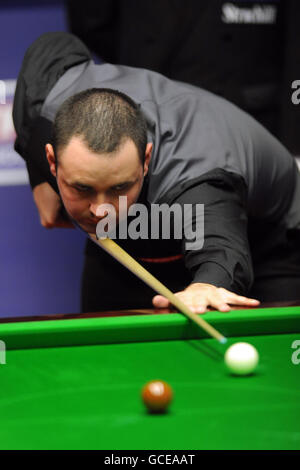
x: 103, y: 118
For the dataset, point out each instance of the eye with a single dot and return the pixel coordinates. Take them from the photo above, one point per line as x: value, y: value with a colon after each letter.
x: 82, y: 189
x: 121, y: 187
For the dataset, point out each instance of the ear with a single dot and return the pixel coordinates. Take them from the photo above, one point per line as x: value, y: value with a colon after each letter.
x: 51, y: 158
x: 148, y: 154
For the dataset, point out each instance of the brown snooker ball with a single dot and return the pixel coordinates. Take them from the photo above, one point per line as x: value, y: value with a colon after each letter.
x: 157, y: 395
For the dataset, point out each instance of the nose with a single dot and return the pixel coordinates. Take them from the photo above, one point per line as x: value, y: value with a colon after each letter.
x: 98, y: 208
x: 93, y: 211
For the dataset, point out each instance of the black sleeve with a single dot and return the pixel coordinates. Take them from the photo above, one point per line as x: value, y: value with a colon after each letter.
x: 35, y: 177
x: 35, y: 154
x: 224, y: 259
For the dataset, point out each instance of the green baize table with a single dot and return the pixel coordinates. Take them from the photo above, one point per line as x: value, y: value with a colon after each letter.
x: 74, y: 382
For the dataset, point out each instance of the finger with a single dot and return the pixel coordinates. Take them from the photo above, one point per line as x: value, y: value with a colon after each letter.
x: 220, y: 305
x: 234, y: 299
x: 246, y: 301
x: 199, y: 308
x: 46, y: 224
x: 160, y: 302
x: 231, y: 295
x: 63, y: 224
x: 193, y: 304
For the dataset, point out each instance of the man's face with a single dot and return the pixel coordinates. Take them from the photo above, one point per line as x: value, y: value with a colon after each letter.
x: 86, y: 179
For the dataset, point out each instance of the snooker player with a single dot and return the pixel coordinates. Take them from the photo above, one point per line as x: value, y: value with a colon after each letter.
x: 91, y: 133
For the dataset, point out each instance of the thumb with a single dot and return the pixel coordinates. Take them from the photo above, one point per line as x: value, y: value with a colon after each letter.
x: 160, y: 302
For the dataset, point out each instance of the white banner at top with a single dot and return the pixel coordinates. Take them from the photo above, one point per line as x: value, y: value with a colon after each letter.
x: 12, y: 166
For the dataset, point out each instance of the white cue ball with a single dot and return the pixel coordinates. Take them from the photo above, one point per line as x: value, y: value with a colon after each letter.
x: 241, y: 358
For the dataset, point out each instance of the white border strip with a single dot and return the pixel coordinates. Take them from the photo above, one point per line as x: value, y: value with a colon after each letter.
x: 14, y: 177
x: 10, y: 86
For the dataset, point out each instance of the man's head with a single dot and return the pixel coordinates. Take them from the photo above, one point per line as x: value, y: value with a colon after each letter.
x: 99, y: 152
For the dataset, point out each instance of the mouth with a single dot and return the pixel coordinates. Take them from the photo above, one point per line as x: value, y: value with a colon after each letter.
x: 89, y: 221
x: 88, y: 224
x: 90, y: 227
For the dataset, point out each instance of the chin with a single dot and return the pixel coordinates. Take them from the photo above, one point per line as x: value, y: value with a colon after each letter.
x: 89, y: 228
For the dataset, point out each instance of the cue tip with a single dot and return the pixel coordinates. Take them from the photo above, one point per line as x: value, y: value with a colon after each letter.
x: 223, y: 340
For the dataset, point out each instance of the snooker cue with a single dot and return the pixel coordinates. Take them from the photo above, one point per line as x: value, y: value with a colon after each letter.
x: 130, y: 263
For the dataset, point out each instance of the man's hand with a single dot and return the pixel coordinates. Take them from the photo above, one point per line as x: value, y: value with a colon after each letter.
x: 198, y: 297
x: 49, y: 206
